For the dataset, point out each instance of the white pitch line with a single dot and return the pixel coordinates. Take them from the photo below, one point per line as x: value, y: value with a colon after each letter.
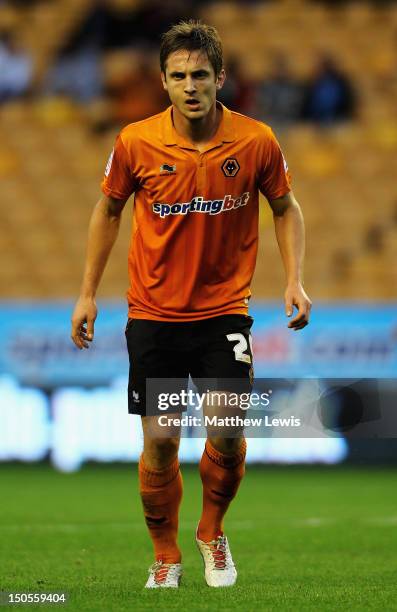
x: 308, y: 522
x: 382, y: 521
x: 313, y: 521
x: 77, y: 527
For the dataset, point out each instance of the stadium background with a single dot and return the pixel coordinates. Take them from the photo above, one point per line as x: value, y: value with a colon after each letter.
x: 324, y: 75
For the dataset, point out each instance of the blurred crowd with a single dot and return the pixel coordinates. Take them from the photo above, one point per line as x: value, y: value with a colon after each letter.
x: 111, y: 56
x: 282, y: 98
x: 72, y: 72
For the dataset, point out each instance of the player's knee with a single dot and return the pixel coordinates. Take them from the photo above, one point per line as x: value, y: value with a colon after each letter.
x: 167, y: 446
x: 227, y: 446
x: 162, y: 450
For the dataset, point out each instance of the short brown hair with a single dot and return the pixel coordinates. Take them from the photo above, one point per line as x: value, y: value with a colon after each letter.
x: 192, y: 35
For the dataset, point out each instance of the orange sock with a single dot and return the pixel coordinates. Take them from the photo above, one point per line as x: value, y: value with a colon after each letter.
x: 161, y: 494
x: 221, y: 475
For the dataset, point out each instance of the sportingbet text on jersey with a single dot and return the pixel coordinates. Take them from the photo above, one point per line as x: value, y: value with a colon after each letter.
x: 199, y: 205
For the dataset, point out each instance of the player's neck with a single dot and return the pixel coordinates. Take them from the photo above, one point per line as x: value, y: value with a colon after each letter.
x: 201, y: 131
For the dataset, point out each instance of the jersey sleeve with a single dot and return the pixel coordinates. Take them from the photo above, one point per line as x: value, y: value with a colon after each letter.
x: 274, y: 178
x: 118, y: 181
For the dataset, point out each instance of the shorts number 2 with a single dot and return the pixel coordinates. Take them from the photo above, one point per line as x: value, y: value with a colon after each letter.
x: 241, y: 346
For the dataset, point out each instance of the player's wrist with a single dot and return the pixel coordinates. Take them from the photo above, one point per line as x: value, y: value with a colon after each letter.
x: 294, y: 282
x: 87, y: 295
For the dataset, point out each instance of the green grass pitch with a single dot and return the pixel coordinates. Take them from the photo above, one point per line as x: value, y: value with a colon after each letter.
x: 303, y: 538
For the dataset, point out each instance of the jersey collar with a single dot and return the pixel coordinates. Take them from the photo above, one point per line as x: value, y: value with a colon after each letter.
x: 225, y: 131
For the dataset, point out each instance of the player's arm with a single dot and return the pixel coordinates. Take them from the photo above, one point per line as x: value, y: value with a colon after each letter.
x: 290, y: 233
x: 102, y: 233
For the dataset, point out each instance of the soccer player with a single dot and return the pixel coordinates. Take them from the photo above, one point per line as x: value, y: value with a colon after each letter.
x: 196, y: 171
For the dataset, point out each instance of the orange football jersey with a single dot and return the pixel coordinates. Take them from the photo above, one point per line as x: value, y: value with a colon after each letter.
x: 195, y: 226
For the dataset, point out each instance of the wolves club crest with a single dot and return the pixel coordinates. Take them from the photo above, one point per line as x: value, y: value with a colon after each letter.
x: 230, y: 167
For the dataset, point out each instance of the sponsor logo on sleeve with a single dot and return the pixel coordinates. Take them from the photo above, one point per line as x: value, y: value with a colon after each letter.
x: 109, y: 164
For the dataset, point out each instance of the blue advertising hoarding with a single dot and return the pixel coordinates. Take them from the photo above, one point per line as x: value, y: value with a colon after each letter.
x: 85, y: 416
x: 342, y: 340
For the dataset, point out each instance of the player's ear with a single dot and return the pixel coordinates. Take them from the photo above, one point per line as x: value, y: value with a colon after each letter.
x: 164, y: 82
x: 221, y: 79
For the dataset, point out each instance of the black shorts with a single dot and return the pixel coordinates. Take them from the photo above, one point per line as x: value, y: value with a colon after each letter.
x: 215, y: 352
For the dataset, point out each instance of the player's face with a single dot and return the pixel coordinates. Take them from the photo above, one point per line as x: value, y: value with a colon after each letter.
x: 191, y: 83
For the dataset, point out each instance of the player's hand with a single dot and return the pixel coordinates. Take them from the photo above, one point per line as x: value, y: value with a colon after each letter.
x: 83, y: 320
x: 296, y: 296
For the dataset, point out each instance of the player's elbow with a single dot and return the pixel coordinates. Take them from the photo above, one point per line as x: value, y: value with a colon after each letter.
x: 110, y: 208
x: 287, y: 203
